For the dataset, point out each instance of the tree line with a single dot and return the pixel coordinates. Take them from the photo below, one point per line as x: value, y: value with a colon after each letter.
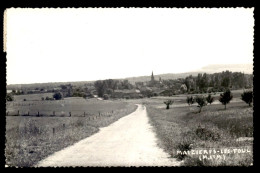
x: 218, y: 82
x: 109, y: 86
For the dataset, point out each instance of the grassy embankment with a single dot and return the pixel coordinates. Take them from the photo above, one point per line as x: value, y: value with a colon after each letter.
x: 30, y: 139
x: 183, y: 128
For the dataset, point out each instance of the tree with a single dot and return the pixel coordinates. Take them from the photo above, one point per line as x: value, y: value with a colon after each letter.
x: 210, y: 99
x: 190, y: 100
x: 247, y: 97
x: 201, y: 102
x: 9, y: 97
x: 168, y: 103
x: 100, y: 87
x: 58, y: 96
x: 226, y: 97
x: 183, y: 88
x: 225, y: 82
x: 147, y: 93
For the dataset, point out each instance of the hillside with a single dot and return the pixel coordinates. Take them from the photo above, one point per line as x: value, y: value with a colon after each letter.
x: 214, y: 68
x: 246, y: 68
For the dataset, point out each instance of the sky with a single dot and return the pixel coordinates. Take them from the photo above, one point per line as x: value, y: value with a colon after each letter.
x: 84, y: 44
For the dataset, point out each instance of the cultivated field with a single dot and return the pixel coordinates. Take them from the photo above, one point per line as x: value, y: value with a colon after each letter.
x: 31, y: 138
x: 183, y: 128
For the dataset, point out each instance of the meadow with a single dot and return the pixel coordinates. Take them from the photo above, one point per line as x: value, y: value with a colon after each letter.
x: 31, y: 138
x: 44, y: 127
x: 182, y: 128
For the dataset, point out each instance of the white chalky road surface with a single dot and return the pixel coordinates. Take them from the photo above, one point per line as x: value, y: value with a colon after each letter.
x: 129, y: 141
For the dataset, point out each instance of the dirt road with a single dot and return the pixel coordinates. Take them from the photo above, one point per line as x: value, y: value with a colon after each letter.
x: 129, y: 141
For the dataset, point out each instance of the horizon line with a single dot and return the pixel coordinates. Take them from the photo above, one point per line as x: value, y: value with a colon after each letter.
x: 124, y: 77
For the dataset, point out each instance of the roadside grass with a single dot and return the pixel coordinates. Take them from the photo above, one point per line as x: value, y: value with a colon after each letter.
x: 30, y: 139
x: 183, y: 128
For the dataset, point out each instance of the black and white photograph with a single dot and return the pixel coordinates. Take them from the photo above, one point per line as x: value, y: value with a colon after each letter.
x: 129, y: 87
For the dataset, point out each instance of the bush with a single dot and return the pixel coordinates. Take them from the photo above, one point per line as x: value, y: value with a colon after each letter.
x: 247, y: 97
x: 42, y: 98
x: 168, y: 103
x: 201, y: 102
x: 206, y: 134
x: 47, y: 98
x: 24, y: 99
x: 58, y: 96
x: 79, y: 94
x: 105, y: 96
x: 183, y: 146
x: 190, y: 100
x: 210, y: 99
x: 9, y: 97
x: 226, y: 97
x: 155, y: 94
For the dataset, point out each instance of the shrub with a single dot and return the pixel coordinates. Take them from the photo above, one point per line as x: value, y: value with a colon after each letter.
x: 247, y: 97
x: 24, y: 99
x: 210, y: 99
x: 31, y: 128
x: 84, y: 95
x: 190, y: 100
x: 201, y: 102
x: 58, y: 96
x: 206, y: 134
x: 47, y: 98
x: 155, y: 94
x: 9, y: 97
x: 183, y: 146
x: 42, y: 98
x: 226, y: 97
x: 168, y: 103
x: 105, y: 96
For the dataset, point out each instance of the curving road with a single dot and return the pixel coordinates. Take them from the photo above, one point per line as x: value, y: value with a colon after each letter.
x: 129, y: 141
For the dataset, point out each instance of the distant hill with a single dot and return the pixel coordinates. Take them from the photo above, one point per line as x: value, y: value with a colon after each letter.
x: 163, y: 77
x: 246, y: 68
x: 215, y: 68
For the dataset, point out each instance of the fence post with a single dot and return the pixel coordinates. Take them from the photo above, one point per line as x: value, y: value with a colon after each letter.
x: 98, y: 112
x: 63, y: 126
x: 18, y: 112
x: 53, y: 131
x: 70, y: 114
x: 38, y: 113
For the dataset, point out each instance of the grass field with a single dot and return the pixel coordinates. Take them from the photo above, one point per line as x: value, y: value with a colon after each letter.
x: 183, y: 128
x: 30, y: 138
x: 32, y: 97
x: 76, y: 106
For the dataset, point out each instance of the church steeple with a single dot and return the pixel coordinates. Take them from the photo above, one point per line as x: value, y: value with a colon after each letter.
x: 152, y: 77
